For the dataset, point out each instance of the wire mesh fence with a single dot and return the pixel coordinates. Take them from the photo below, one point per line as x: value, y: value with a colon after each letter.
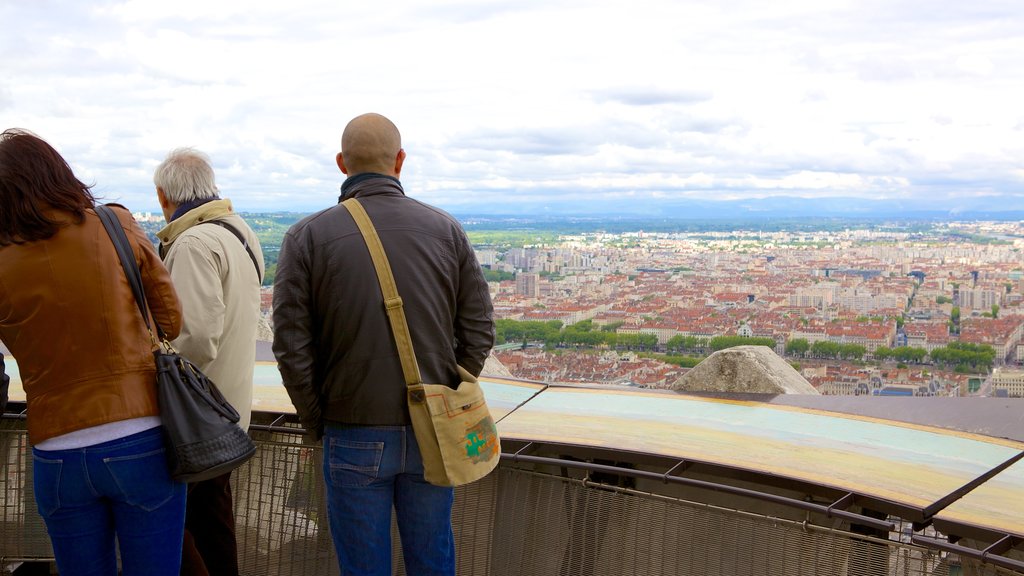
x: 591, y: 530
x: 515, y: 522
x: 22, y: 533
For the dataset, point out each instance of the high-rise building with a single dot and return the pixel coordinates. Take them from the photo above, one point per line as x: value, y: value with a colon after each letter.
x: 528, y: 285
x: 979, y: 298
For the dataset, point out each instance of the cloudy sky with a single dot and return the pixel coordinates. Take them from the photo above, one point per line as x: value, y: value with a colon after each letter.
x: 548, y: 105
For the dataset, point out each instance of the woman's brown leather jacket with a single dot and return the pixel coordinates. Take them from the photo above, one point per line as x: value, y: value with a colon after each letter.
x: 68, y: 316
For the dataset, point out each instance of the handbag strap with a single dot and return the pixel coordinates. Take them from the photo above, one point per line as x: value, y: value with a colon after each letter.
x: 388, y: 288
x: 124, y: 253
x: 245, y: 243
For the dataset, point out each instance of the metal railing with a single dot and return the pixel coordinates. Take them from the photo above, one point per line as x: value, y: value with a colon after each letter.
x: 535, y: 516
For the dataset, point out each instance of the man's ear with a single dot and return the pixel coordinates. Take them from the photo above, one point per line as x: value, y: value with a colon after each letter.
x: 399, y: 160
x: 341, y: 163
x: 162, y: 197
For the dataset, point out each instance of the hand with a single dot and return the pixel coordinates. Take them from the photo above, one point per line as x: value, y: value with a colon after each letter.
x: 313, y: 435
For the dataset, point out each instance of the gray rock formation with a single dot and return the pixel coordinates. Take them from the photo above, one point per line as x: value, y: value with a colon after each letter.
x: 264, y: 332
x: 494, y: 368
x: 744, y: 369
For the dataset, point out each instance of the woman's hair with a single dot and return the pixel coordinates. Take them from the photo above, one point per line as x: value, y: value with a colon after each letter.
x: 34, y: 179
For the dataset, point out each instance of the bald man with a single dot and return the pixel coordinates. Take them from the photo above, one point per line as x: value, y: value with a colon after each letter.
x: 339, y: 362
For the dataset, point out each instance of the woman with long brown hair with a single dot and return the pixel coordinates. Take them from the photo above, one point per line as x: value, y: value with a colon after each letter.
x: 68, y: 316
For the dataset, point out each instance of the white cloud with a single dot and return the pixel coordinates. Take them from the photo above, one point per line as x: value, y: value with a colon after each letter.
x: 660, y: 98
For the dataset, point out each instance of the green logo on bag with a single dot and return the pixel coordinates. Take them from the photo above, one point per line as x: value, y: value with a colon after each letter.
x: 482, y: 441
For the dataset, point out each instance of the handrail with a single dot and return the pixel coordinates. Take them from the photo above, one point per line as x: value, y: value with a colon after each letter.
x: 989, y: 555
x: 276, y: 429
x: 828, y: 511
x: 955, y: 495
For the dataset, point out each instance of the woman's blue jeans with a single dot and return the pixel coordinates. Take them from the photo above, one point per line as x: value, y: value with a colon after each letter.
x: 369, y: 469
x: 88, y: 496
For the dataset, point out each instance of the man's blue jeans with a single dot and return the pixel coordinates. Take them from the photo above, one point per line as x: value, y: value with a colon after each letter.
x: 121, y: 488
x: 369, y: 469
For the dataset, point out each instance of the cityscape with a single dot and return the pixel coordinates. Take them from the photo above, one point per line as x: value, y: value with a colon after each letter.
x: 879, y: 310
x: 858, y: 307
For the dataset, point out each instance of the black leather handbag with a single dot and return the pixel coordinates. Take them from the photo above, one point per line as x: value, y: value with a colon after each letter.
x: 200, y: 426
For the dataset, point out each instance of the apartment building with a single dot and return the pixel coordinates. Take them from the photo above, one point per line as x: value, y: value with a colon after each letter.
x: 1009, y: 382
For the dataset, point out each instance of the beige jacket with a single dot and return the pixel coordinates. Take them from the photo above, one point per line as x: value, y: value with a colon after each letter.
x: 220, y: 297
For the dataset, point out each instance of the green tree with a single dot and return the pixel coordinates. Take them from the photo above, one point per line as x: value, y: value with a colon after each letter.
x: 268, y: 277
x: 852, y: 351
x: 675, y: 343
x: 798, y: 346
x: 680, y: 343
x: 965, y: 357
x: 527, y: 331
x: 585, y: 338
x: 637, y: 341
x: 825, y: 349
x: 909, y: 354
x: 697, y: 343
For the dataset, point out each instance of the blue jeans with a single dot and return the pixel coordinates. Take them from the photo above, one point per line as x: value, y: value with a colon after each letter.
x: 88, y: 496
x: 369, y: 469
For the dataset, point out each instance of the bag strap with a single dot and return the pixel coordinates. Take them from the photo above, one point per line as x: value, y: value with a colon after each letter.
x: 388, y: 288
x: 245, y: 243
x: 125, y: 254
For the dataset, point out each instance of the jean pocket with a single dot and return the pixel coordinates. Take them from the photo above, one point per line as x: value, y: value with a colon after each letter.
x: 46, y: 484
x: 143, y: 478
x: 354, y: 463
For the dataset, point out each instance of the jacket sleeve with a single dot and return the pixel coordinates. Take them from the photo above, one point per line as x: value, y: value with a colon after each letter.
x: 474, y: 313
x: 156, y: 281
x: 196, y: 274
x: 5, y: 383
x: 294, y: 345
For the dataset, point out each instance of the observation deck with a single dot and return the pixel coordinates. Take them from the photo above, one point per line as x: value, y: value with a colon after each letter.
x: 598, y: 480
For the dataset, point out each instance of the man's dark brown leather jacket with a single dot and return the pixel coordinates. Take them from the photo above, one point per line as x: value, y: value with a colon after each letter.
x: 332, y: 339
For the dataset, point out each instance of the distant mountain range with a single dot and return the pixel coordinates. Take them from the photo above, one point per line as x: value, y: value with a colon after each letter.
x: 776, y: 207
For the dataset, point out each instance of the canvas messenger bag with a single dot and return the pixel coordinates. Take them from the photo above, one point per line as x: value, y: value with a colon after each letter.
x: 457, y: 437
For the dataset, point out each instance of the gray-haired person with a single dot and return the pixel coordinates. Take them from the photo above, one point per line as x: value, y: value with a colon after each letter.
x: 217, y: 267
